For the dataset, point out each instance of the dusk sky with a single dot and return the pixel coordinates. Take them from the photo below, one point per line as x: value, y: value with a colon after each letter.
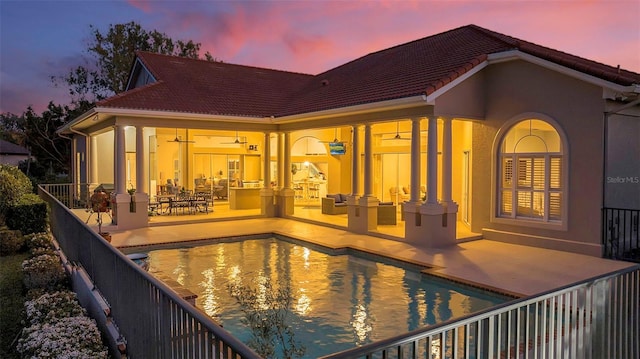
x: 40, y: 39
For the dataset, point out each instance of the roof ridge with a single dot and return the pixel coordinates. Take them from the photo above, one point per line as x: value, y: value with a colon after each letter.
x: 539, y: 51
x: 218, y: 62
x: 392, y: 47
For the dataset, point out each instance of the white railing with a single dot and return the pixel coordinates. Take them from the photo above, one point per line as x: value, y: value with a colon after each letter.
x: 597, y: 318
x: 155, y: 321
x: 72, y: 196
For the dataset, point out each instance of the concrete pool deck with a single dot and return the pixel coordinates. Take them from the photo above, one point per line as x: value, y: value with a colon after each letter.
x: 508, y: 268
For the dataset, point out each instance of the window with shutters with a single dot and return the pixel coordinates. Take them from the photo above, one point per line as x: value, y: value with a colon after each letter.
x: 530, y: 185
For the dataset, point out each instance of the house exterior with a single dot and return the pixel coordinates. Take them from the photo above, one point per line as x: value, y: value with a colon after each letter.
x: 12, y: 154
x: 519, y: 142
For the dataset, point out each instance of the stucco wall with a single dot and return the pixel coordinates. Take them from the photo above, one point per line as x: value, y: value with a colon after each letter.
x: 516, y: 88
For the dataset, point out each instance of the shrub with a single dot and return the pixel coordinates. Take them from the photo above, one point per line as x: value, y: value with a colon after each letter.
x: 10, y: 242
x: 44, y: 271
x: 38, y: 240
x: 27, y: 214
x: 50, y: 307
x: 72, y: 337
x: 13, y: 185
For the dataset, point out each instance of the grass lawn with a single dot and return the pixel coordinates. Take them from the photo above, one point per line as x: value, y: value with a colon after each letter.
x: 11, y: 303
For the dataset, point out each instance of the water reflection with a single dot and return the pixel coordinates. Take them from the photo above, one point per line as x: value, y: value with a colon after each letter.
x: 339, y: 301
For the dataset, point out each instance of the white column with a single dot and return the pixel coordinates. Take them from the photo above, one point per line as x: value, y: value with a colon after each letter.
x: 141, y: 173
x: 280, y: 160
x: 446, y: 160
x: 415, y: 160
x: 267, y: 160
x: 355, y: 162
x: 368, y: 161
x: 93, y: 162
x: 432, y: 161
x: 120, y: 172
x: 287, y: 160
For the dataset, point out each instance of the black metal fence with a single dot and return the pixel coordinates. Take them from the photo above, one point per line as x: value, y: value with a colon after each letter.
x: 620, y: 236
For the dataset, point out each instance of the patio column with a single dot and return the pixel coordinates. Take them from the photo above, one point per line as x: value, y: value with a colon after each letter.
x: 120, y: 171
x: 450, y: 207
x: 355, y: 162
x: 119, y: 194
x: 285, y: 201
x: 431, y: 228
x: 280, y: 155
x: 368, y: 161
x: 432, y: 163
x: 141, y: 174
x: 266, y: 152
x: 287, y: 160
x: 415, y: 160
x: 266, y: 193
x: 93, y: 160
x: 363, y: 211
x: 410, y: 210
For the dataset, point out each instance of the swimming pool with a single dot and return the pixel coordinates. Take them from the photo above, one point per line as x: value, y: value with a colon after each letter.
x: 340, y: 300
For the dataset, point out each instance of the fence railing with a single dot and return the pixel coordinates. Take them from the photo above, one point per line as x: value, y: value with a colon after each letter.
x: 597, y: 318
x: 155, y: 321
x: 71, y: 195
x: 620, y: 233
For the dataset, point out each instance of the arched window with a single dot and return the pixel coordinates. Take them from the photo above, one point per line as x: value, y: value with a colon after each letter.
x: 531, y: 183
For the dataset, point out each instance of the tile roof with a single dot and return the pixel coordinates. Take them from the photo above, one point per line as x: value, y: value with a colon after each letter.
x: 414, y: 68
x: 205, y: 87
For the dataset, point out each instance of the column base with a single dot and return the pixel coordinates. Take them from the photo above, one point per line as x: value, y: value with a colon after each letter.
x: 284, y: 202
x: 267, y: 205
x: 130, y: 212
x: 429, y: 225
x: 362, y: 213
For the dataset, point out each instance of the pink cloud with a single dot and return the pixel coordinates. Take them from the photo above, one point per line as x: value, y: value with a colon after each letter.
x: 315, y: 36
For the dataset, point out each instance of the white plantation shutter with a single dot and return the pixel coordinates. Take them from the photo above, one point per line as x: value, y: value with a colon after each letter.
x: 536, y: 192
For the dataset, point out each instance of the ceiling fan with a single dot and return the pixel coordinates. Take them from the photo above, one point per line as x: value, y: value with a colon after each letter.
x: 178, y: 140
x: 236, y: 142
x: 397, y: 136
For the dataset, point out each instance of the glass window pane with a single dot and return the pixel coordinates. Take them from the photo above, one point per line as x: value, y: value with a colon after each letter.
x: 538, y: 205
x: 524, y: 204
x: 555, y: 172
x: 507, y: 172
x: 538, y: 173
x: 525, y: 166
x: 506, y: 207
x: 555, y: 206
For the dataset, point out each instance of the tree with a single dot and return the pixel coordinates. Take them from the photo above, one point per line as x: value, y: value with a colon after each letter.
x: 104, y: 73
x: 112, y: 55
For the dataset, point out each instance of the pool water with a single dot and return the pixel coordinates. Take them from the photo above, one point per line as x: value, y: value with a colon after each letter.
x: 340, y: 301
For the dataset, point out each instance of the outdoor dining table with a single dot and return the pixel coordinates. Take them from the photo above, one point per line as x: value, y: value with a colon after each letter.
x: 192, y: 204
